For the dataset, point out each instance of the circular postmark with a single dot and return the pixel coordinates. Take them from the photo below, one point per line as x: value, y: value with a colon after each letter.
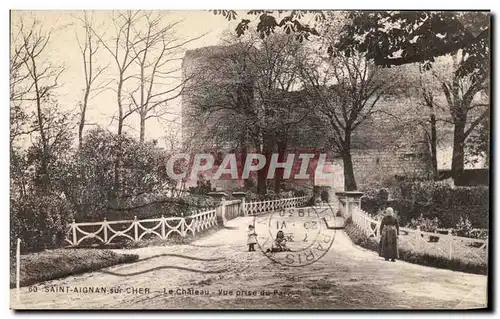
x: 296, y: 237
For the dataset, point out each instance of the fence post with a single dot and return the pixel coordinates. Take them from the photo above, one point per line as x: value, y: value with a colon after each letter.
x: 417, y: 239
x: 223, y: 210
x: 450, y: 237
x: 73, y: 227
x: 136, y: 230
x: 241, y: 197
x: 18, y: 268
x: 183, y: 227
x: 163, y: 221
x: 105, y: 229
x: 219, y: 196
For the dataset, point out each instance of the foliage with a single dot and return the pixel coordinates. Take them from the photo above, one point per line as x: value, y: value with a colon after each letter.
x: 203, y: 186
x: 457, y: 264
x: 59, y: 263
x: 375, y: 201
x: 425, y: 224
x: 420, y: 36
x: 39, y: 220
x: 395, y: 38
x: 478, y: 143
x: 92, y: 187
x: 291, y: 22
x: 464, y: 228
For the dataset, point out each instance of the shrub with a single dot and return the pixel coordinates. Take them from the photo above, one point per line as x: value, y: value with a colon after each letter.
x: 375, y: 201
x: 463, y: 228
x: 425, y: 224
x: 91, y: 184
x: 203, y: 186
x: 40, y: 221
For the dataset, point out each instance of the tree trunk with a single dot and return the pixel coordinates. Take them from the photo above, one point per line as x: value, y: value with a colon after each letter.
x: 349, y: 179
x: 457, y: 161
x: 262, y: 173
x: 81, y: 125
x: 243, y: 157
x: 278, y: 177
x: 142, y: 127
x: 434, y: 147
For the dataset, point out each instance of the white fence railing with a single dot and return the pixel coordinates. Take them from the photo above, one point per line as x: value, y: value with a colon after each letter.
x: 107, y: 232
x: 262, y: 207
x: 433, y: 243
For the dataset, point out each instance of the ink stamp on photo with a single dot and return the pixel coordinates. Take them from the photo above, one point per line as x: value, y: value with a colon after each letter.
x: 296, y: 237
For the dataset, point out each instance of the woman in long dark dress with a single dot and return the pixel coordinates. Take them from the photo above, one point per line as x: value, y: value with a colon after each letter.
x: 389, y: 230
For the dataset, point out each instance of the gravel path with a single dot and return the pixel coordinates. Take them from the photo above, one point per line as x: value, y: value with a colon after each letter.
x: 223, y: 275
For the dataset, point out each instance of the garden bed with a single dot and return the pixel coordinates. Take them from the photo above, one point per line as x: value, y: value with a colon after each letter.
x: 462, y: 259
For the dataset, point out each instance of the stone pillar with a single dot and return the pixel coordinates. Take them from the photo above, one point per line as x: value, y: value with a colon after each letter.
x: 241, y: 197
x: 353, y: 202
x: 342, y: 203
x: 220, y: 210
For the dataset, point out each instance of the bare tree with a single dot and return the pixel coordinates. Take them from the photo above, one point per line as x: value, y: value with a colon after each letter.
x: 43, y: 79
x: 344, y: 91
x: 466, y: 113
x: 249, y: 82
x: 157, y: 50
x: 89, y: 48
x: 120, y: 48
x: 18, y: 86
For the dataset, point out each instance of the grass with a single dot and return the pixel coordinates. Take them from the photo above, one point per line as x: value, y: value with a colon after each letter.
x: 59, y: 263
x: 462, y: 263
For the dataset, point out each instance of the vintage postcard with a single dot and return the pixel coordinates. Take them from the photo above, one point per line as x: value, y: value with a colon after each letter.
x: 258, y: 159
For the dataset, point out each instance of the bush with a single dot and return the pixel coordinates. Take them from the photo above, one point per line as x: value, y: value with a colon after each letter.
x: 90, y: 183
x: 425, y: 224
x: 464, y: 229
x: 203, y: 186
x: 359, y: 238
x: 40, y: 221
x: 53, y: 264
x: 375, y: 201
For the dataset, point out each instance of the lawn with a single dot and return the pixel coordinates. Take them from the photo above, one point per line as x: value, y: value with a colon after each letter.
x: 459, y: 249
x: 58, y: 263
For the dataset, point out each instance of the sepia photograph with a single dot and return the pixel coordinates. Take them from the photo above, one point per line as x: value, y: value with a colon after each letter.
x: 250, y: 159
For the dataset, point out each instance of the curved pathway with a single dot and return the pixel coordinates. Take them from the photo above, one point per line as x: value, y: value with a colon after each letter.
x: 347, y: 277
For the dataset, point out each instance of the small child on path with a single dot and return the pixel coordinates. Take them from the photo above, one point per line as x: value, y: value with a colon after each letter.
x: 252, y: 238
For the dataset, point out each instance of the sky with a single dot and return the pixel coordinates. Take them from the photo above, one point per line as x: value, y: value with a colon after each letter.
x: 63, y: 49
